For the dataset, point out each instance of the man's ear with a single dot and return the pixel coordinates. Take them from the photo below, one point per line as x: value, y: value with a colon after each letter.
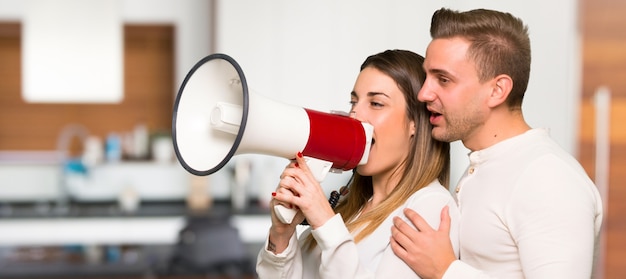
x: 501, y: 88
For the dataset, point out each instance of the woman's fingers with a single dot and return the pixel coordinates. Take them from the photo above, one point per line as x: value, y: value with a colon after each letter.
x: 299, y: 188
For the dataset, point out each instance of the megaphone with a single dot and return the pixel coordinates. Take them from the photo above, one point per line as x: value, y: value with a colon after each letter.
x: 216, y: 118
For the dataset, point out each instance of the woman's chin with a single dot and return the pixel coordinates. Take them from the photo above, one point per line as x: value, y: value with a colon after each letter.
x: 363, y: 170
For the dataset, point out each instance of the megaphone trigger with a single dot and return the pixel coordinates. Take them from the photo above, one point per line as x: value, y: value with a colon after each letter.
x: 318, y: 167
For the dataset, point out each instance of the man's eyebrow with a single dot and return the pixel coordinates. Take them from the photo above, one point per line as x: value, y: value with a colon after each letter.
x: 439, y: 71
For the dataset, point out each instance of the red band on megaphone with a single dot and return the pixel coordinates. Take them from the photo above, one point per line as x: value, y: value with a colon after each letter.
x: 335, y: 138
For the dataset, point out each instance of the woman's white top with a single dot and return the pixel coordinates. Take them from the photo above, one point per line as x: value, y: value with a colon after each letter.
x: 338, y: 256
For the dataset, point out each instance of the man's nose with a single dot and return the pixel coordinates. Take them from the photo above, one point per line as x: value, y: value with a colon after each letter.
x: 425, y: 94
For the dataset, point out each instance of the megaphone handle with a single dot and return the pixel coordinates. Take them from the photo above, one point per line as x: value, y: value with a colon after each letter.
x: 319, y: 168
x: 284, y: 214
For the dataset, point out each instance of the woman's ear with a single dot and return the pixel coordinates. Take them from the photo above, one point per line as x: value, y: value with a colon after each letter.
x: 412, y: 128
x: 502, y: 86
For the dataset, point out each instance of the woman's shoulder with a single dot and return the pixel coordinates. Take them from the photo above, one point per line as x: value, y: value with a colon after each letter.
x: 433, y: 187
x: 434, y: 190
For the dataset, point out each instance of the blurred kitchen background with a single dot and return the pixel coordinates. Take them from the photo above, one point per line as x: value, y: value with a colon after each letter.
x: 89, y: 184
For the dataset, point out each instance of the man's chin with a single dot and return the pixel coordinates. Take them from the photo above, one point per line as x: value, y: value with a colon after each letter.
x: 440, y: 134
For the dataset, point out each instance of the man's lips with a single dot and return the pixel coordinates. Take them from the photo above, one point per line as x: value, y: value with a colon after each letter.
x: 434, y: 117
x: 432, y: 109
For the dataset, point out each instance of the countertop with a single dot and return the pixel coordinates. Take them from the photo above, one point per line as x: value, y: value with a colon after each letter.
x: 46, y: 241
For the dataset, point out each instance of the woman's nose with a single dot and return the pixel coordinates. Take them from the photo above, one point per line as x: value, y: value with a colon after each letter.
x: 359, y: 117
x: 358, y: 111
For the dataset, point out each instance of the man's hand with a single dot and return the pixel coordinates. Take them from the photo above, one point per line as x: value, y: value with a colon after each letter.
x: 426, y: 250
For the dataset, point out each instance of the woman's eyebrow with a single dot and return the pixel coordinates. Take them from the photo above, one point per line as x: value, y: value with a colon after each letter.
x: 372, y: 94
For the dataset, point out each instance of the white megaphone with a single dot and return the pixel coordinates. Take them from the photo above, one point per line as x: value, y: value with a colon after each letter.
x: 216, y: 118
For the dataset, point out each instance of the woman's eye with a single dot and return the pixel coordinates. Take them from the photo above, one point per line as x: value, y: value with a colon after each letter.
x: 375, y: 104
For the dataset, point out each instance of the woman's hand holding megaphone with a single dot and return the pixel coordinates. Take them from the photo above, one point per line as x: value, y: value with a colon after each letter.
x: 300, y: 189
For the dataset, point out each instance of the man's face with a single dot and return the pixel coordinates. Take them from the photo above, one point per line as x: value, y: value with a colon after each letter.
x: 453, y: 92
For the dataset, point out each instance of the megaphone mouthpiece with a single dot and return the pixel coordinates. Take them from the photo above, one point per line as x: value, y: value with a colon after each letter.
x: 340, y: 139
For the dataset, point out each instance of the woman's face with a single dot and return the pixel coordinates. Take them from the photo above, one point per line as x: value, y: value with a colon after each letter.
x: 377, y: 100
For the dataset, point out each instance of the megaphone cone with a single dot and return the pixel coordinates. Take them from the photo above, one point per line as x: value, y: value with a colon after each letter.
x: 216, y: 118
x: 200, y: 149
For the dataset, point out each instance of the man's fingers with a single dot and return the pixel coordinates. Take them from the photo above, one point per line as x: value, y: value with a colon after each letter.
x: 402, y: 232
x: 397, y: 248
x: 444, y: 226
x: 417, y: 220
